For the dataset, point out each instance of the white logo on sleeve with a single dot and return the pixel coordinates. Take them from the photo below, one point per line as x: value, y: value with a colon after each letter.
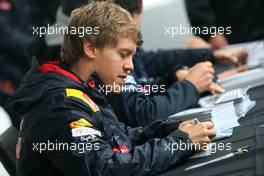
x: 84, y: 131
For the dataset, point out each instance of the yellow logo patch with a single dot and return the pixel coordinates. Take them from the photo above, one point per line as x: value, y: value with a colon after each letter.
x: 80, y: 123
x: 80, y: 95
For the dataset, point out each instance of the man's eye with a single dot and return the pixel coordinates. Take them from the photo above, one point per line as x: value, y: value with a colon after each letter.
x: 124, y: 55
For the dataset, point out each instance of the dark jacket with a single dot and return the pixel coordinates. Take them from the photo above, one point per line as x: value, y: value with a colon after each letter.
x: 245, y: 17
x: 159, y: 63
x: 58, y: 108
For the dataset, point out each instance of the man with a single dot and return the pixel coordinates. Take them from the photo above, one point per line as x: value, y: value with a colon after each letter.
x: 68, y: 127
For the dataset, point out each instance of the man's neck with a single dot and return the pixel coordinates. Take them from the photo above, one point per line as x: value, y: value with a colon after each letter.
x: 83, y: 68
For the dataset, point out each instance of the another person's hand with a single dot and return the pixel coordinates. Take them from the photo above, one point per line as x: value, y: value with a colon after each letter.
x: 232, y: 71
x: 201, y: 76
x: 197, y: 42
x: 200, y: 133
x: 231, y: 56
x: 219, y: 41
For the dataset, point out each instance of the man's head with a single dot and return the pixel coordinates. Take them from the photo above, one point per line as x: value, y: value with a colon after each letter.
x: 110, y: 50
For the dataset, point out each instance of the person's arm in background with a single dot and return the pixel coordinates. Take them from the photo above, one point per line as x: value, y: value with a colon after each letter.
x: 157, y: 64
x: 162, y: 63
x: 143, y: 78
x: 201, y: 14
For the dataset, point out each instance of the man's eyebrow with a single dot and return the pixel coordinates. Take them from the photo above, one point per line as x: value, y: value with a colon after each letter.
x: 129, y: 51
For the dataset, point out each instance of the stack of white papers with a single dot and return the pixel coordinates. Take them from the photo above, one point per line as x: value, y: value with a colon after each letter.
x: 224, y: 110
x: 255, y: 52
x: 222, y: 115
x: 208, y: 101
x: 239, y: 97
x: 252, y: 78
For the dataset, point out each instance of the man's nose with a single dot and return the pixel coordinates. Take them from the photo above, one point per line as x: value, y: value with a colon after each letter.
x: 128, y: 64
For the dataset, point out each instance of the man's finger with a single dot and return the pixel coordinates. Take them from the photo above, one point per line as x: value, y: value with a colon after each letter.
x: 209, y: 64
x: 208, y: 124
x: 216, y: 88
x: 206, y: 140
x: 234, y: 59
x: 241, y: 68
x: 192, y: 122
x: 210, y: 132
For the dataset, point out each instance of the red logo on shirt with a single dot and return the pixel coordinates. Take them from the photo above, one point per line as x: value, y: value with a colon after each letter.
x: 122, y: 149
x: 5, y: 5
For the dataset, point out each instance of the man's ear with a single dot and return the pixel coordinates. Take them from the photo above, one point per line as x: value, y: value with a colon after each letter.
x: 89, y: 50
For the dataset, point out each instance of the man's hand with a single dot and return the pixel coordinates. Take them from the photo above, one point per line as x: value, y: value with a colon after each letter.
x: 232, y: 71
x: 231, y: 56
x: 201, y: 76
x: 216, y: 88
x: 219, y: 41
x: 213, y: 88
x: 197, y: 42
x: 200, y: 133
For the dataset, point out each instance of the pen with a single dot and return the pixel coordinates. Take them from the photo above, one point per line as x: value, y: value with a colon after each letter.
x: 237, y: 64
x: 238, y: 152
